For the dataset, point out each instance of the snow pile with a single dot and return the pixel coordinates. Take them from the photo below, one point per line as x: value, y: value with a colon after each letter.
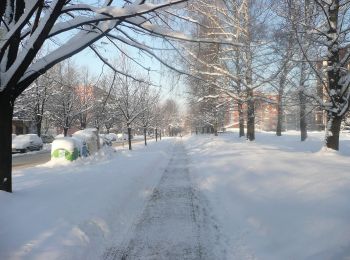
x: 65, y: 142
x: 276, y: 198
x: 90, y: 137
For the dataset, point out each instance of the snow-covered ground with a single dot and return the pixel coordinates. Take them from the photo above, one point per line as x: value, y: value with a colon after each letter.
x: 275, y: 198
x: 74, y: 211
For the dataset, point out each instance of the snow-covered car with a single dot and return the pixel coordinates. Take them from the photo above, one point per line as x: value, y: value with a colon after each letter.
x: 26, y: 143
x: 105, y: 140
x: 122, y: 136
x: 112, y: 136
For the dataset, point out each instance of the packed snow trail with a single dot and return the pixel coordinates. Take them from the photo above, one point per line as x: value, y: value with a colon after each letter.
x: 175, y: 223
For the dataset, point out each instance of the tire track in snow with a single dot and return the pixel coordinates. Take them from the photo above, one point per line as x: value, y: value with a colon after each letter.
x: 175, y: 223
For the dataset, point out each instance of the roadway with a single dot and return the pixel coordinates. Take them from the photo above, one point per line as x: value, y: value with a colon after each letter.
x: 20, y: 161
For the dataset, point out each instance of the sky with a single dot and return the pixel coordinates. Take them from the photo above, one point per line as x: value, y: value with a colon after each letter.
x: 160, y: 76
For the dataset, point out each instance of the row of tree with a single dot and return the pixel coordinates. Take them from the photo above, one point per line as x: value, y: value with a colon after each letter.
x: 67, y: 96
x: 238, y: 49
x: 294, y: 50
x: 64, y: 28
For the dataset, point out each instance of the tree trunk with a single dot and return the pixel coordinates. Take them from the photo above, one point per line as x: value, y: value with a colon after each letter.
x: 241, y: 119
x: 82, y: 125
x: 250, y: 117
x: 145, y: 135
x: 38, y: 127
x: 332, y: 132
x: 129, y: 137
x: 282, y: 83
x: 156, y: 135
x: 65, y: 131
x: 6, y: 113
x: 216, y: 128
x: 98, y: 137
x: 334, y: 118
x: 302, y: 102
x: 302, y: 114
x: 160, y: 135
x: 279, y: 114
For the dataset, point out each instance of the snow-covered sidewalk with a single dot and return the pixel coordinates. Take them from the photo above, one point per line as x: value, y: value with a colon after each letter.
x: 175, y: 223
x: 75, y: 211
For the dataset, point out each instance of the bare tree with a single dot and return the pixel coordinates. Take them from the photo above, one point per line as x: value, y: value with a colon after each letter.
x: 27, y: 26
x: 329, y: 33
x: 129, y: 96
x: 170, y: 115
x: 34, y: 102
x: 64, y: 108
x: 86, y: 97
x: 148, y: 106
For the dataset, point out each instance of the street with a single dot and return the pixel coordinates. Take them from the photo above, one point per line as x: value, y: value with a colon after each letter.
x: 31, y: 159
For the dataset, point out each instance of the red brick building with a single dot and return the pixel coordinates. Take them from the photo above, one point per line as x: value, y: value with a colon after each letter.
x: 265, y: 113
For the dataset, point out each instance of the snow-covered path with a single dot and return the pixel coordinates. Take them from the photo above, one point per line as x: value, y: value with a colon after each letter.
x: 175, y: 223
x: 202, y: 197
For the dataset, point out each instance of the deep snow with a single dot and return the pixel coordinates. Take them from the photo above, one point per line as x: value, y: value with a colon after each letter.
x: 73, y: 211
x: 275, y: 198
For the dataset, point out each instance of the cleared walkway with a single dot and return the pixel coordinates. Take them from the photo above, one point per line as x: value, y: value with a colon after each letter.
x: 174, y: 223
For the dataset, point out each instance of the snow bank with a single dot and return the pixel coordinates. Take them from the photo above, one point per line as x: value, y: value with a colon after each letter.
x: 276, y: 198
x: 89, y: 136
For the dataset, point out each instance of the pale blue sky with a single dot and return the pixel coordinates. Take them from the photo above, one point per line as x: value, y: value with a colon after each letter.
x: 89, y: 59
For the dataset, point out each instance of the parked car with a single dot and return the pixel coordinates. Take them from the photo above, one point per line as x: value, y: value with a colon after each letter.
x: 26, y: 143
x: 122, y: 136
x: 112, y: 136
x: 105, y: 140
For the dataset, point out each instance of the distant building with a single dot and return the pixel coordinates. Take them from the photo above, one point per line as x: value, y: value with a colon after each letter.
x: 22, y: 126
x: 266, y: 115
